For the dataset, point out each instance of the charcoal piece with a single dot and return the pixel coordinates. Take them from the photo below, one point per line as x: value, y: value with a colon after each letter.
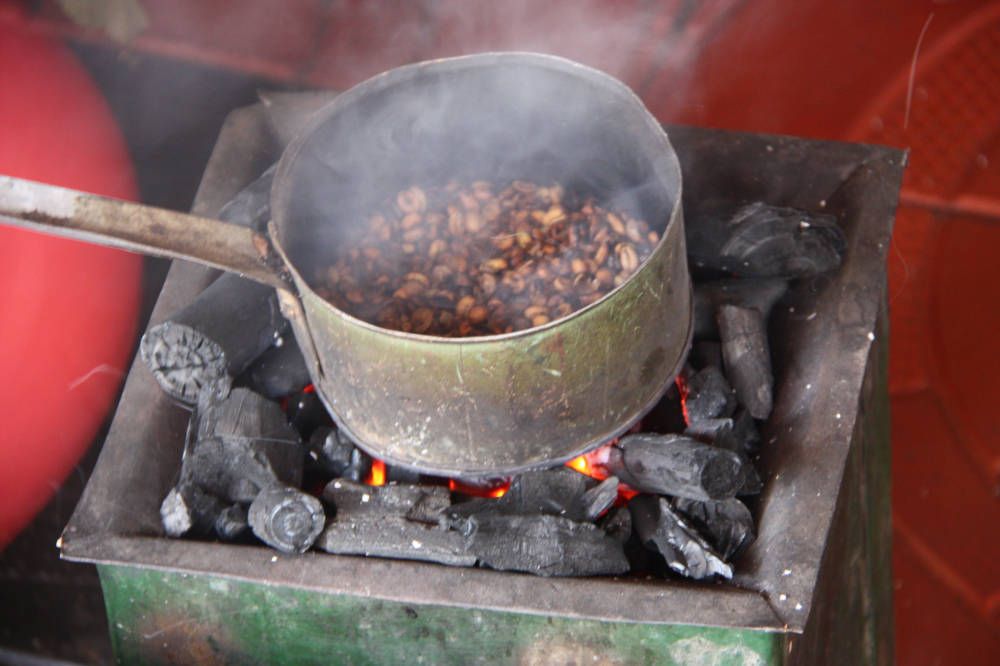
x: 280, y: 371
x: 721, y: 433
x: 675, y: 465
x: 286, y: 519
x: 393, y: 536
x: 245, y: 420
x: 760, y: 240
x: 660, y: 529
x: 232, y: 522
x: 212, y: 340
x: 187, y: 509
x: 709, y: 396
x: 707, y: 352
x: 558, y: 491
x: 747, y: 357
x: 545, y: 545
x: 727, y: 525
x: 617, y: 523
x: 230, y: 470
x: 597, y: 500
x: 306, y: 413
x: 758, y: 294
x: 745, y: 433
x: 251, y: 207
x: 331, y: 451
x: 420, y: 503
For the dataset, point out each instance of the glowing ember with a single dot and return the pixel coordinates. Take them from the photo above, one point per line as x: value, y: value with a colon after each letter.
x: 682, y: 387
x: 377, y: 476
x: 592, y: 464
x: 478, y: 491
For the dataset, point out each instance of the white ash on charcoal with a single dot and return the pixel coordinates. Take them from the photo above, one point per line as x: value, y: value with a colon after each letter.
x: 709, y: 395
x: 558, y: 492
x: 286, y: 519
x: 726, y: 525
x: 396, y: 520
x: 759, y: 294
x: 761, y: 240
x: 545, y: 545
x: 676, y: 465
x: 747, y: 357
x: 662, y: 530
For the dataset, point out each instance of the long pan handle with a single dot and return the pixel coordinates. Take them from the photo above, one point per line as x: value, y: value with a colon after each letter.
x: 155, y: 231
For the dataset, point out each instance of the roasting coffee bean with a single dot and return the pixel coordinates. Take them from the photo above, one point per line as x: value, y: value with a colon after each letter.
x: 470, y: 260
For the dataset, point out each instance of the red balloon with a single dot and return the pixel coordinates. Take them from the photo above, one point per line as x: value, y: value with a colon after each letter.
x: 67, y: 309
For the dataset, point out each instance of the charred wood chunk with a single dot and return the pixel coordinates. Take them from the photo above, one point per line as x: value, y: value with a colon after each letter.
x: 747, y: 357
x: 211, y: 341
x: 745, y: 433
x: 721, y: 433
x: 676, y: 465
x: 251, y: 207
x: 280, y: 371
x: 419, y: 503
x: 394, y: 536
x: 727, y: 524
x: 187, y: 509
x: 250, y: 421
x: 664, y: 531
x: 597, y: 500
x: 232, y: 523
x: 331, y: 451
x: 286, y: 519
x: 709, y: 396
x: 545, y: 545
x: 760, y: 240
x: 559, y: 491
x: 758, y: 294
x: 617, y: 523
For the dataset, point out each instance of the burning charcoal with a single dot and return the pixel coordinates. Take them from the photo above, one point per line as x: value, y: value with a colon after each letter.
x: 557, y: 492
x: 545, y: 545
x: 706, y: 353
x: 189, y: 509
x: 662, y: 530
x: 745, y: 433
x: 720, y: 432
x: 420, y: 503
x: 392, y: 536
x: 286, y: 519
x: 617, y: 523
x: 759, y: 294
x: 232, y: 523
x: 251, y: 207
x: 675, y: 465
x: 306, y: 412
x: 280, y: 371
x: 711, y: 431
x: 760, y: 240
x: 747, y: 357
x: 727, y: 525
x: 709, y: 396
x: 212, y: 340
x: 597, y: 500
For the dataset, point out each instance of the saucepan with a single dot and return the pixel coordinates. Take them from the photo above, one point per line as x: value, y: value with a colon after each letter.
x: 457, y: 406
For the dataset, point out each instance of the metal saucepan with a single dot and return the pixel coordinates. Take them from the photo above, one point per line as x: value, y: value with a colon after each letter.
x: 457, y: 406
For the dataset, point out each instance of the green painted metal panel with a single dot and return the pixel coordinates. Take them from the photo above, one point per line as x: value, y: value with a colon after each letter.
x: 160, y: 617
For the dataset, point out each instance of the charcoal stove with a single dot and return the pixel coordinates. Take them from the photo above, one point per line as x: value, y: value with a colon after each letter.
x: 814, y: 587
